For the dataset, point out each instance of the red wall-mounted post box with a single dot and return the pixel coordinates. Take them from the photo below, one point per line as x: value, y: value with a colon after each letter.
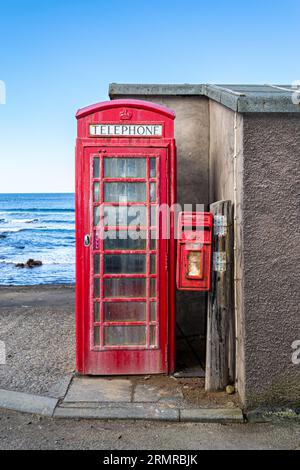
x: 194, y: 251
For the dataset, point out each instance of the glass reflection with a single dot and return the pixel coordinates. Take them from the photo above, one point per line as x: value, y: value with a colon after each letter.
x: 125, y: 335
x: 131, y: 263
x: 124, y: 192
x: 124, y: 167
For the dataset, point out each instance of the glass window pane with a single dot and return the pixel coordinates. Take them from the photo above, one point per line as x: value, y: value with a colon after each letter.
x: 152, y: 287
x: 96, y: 312
x: 96, y: 215
x: 125, y: 215
x: 152, y: 264
x: 125, y: 311
x: 124, y: 335
x: 152, y: 167
x: 153, y: 240
x: 124, y: 287
x: 97, y: 335
x: 96, y: 167
x: 152, y: 192
x: 124, y: 167
x: 114, y: 264
x: 96, y: 192
x: 96, y: 264
x: 153, y: 216
x: 125, y: 240
x: 152, y: 311
x: 124, y: 192
x: 152, y: 335
x: 96, y: 288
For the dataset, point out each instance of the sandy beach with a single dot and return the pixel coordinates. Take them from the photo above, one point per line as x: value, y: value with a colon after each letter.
x: 37, y: 327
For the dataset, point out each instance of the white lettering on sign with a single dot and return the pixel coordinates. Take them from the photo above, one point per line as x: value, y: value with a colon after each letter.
x: 126, y: 130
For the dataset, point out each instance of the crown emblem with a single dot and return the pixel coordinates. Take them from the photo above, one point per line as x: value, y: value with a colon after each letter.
x: 125, y: 114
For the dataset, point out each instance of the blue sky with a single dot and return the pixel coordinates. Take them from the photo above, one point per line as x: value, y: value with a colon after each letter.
x: 57, y: 56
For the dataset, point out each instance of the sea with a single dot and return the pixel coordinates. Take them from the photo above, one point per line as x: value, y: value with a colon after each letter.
x: 38, y: 226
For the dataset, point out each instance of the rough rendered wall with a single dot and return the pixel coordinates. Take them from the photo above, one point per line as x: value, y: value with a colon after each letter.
x: 226, y: 182
x: 192, y: 140
x: 271, y: 257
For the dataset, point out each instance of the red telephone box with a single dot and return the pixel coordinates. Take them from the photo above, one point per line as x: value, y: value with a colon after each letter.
x: 125, y: 268
x: 194, y: 251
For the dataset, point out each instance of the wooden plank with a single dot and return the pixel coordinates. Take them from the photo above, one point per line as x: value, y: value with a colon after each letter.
x: 220, y: 351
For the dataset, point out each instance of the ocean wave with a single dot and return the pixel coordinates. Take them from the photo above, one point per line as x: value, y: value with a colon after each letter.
x: 18, y: 221
x: 36, y: 209
x: 45, y: 262
x: 11, y: 230
x: 23, y: 221
x: 7, y: 230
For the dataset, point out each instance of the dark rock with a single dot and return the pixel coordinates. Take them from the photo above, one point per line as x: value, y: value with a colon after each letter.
x: 31, y: 263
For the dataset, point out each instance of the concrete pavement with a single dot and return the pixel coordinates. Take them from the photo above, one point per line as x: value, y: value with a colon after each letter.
x: 25, y: 431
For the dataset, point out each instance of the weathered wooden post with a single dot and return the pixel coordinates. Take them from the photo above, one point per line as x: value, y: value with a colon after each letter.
x: 220, y: 351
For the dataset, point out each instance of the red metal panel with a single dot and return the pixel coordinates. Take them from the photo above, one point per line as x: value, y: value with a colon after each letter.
x: 147, y: 357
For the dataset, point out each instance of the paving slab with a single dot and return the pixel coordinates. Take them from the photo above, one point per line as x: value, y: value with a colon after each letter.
x: 27, y: 403
x: 212, y: 415
x: 59, y: 389
x: 126, y: 411
x: 94, y: 389
x: 150, y: 393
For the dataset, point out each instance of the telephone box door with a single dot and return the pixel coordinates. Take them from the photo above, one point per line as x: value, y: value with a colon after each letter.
x: 125, y: 329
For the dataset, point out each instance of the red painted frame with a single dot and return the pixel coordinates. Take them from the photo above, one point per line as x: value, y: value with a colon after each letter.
x: 134, y: 359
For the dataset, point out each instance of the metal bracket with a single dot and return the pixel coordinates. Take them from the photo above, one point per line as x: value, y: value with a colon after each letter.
x: 220, y: 225
x: 219, y: 261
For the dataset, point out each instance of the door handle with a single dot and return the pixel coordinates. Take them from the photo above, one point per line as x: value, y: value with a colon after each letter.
x: 87, y: 240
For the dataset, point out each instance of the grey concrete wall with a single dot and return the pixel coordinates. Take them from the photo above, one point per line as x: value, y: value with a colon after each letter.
x: 192, y: 141
x: 226, y: 182
x: 271, y: 238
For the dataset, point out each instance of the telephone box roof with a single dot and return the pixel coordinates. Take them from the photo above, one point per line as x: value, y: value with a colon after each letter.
x: 147, y: 105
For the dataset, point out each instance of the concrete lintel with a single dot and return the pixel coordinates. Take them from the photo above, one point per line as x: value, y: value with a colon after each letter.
x: 212, y: 415
x: 238, y: 98
x: 222, y: 96
x: 27, y: 403
x: 267, y: 104
x: 118, y: 89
